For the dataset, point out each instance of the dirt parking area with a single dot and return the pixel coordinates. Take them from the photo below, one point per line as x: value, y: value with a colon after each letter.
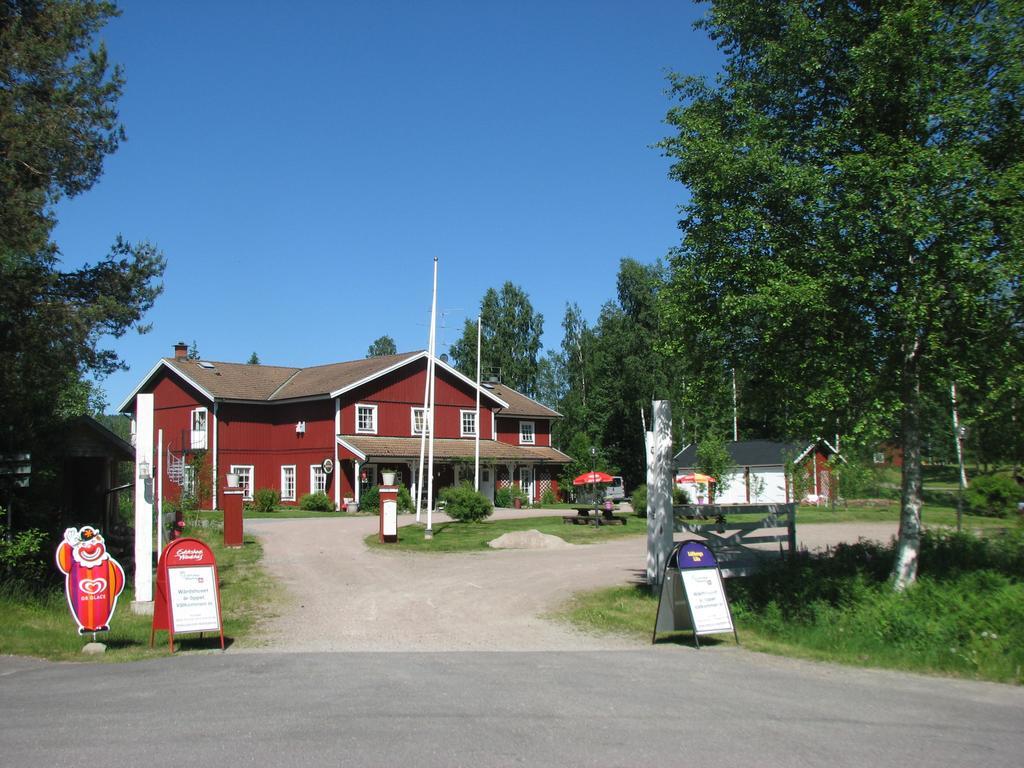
x: 342, y: 596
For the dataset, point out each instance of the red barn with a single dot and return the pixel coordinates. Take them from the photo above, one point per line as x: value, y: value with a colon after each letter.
x: 277, y: 427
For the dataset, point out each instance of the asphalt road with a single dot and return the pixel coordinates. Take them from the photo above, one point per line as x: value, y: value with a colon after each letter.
x: 662, y: 706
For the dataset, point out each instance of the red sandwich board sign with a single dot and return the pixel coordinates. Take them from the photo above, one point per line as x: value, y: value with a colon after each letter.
x: 187, y: 591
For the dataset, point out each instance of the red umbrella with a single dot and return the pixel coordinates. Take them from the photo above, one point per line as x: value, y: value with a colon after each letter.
x: 696, y: 477
x: 590, y: 478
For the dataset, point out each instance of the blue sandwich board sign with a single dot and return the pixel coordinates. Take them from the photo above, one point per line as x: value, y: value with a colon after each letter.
x: 692, y: 595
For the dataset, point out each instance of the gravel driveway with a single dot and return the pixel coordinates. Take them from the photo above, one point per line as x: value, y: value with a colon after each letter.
x: 345, y: 597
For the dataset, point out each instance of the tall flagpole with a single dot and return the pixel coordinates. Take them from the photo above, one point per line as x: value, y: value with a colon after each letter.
x: 431, y: 374
x: 423, y: 424
x: 479, y: 326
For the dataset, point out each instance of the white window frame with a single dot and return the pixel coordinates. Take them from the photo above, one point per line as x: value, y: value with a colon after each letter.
x: 198, y: 441
x: 246, y: 478
x: 372, y: 430
x: 462, y: 422
x: 530, y: 439
x: 316, y: 471
x: 285, y: 494
x: 412, y: 420
x: 188, y: 480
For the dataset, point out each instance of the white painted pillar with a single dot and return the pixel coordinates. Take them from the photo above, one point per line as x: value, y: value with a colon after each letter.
x: 356, y: 482
x: 337, y: 466
x: 215, y: 466
x: 143, y: 499
x: 659, y: 492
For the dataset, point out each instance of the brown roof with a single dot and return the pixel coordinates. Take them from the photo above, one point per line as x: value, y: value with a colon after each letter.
x: 519, y: 404
x: 453, y: 448
x: 234, y: 381
x: 272, y: 383
x: 241, y: 381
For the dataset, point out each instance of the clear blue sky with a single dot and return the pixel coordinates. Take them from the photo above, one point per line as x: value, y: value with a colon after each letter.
x: 301, y: 164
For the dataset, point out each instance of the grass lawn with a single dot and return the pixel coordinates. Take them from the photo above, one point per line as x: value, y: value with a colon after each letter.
x: 964, y: 617
x: 42, y: 626
x: 473, y: 537
x: 931, y: 514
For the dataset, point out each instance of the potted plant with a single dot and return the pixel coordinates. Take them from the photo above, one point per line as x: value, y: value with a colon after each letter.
x: 389, y: 476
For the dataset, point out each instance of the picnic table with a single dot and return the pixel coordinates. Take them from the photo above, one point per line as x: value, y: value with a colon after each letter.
x: 583, y: 516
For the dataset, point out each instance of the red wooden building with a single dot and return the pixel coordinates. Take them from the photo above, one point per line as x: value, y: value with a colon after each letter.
x: 334, y: 428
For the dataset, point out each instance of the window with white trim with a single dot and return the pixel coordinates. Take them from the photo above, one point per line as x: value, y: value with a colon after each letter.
x: 366, y: 419
x: 288, y: 482
x: 468, y: 423
x: 317, y: 479
x: 188, y: 481
x: 527, y: 433
x: 418, y: 418
x: 246, y: 478
x: 199, y: 422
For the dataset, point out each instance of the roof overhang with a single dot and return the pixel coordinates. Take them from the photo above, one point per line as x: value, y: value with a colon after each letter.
x: 351, y: 449
x: 124, y: 407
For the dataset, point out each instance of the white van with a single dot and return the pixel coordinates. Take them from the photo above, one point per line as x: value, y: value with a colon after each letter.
x: 615, y: 490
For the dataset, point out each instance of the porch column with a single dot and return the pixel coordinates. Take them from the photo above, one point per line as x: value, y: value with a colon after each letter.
x: 337, y: 465
x: 216, y: 462
x: 356, y: 483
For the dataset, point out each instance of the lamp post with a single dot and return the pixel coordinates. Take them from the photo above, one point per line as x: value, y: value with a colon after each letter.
x: 593, y: 483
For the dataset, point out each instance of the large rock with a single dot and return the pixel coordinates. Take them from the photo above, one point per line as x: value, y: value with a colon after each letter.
x: 531, y: 539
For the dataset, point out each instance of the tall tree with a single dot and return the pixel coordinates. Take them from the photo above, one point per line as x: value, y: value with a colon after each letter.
x: 384, y: 345
x: 510, y: 339
x: 58, y: 122
x: 853, y: 235
x: 254, y: 359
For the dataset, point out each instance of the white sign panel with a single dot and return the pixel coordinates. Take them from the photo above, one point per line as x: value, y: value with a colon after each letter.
x: 390, y: 518
x: 706, y: 597
x: 193, y: 598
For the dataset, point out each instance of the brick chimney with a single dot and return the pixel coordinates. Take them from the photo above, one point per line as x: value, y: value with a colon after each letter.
x: 180, y: 350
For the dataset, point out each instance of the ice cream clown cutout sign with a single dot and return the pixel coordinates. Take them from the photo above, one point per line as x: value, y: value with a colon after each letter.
x: 92, y: 578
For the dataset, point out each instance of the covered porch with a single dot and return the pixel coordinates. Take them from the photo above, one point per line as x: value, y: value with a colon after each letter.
x: 362, y: 459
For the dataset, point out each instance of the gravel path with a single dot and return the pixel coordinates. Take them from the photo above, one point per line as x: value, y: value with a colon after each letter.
x: 345, y: 597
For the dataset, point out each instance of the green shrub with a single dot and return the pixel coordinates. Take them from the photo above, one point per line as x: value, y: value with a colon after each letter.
x: 405, y: 503
x: 503, y: 497
x: 548, y: 498
x: 316, y: 502
x: 369, y: 500
x: 464, y: 504
x: 639, y: 500
x: 22, y: 564
x: 993, y: 496
x: 679, y: 495
x: 264, y: 500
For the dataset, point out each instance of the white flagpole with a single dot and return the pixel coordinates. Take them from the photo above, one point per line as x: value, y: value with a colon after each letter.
x: 479, y: 327
x: 431, y: 374
x: 423, y: 425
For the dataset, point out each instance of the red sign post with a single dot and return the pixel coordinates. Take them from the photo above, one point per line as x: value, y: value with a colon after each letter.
x: 232, y: 502
x: 187, y: 591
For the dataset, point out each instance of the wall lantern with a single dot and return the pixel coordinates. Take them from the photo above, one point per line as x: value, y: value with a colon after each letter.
x: 144, y: 470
